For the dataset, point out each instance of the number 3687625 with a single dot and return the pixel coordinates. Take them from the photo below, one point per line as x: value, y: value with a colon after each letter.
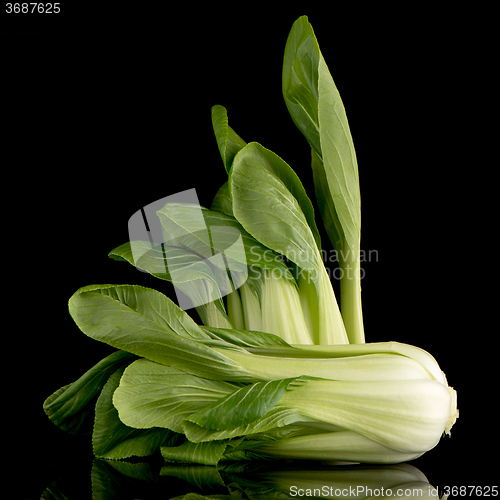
x: 32, y: 8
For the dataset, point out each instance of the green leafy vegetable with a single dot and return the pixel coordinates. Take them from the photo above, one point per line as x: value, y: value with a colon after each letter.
x: 275, y: 370
x: 390, y: 399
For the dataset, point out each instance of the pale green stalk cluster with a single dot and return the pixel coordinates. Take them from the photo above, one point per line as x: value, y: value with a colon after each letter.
x: 295, y: 312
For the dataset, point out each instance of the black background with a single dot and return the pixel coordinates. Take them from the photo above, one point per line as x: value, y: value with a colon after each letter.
x: 107, y: 111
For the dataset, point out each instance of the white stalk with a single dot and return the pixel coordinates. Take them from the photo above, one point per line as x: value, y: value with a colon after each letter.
x: 282, y: 311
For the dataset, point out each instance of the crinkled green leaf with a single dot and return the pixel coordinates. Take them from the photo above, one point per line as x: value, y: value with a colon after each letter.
x: 272, y: 421
x: 112, y: 439
x: 242, y: 406
x: 154, y: 395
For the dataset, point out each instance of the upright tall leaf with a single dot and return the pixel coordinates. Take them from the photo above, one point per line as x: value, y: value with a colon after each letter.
x: 316, y: 108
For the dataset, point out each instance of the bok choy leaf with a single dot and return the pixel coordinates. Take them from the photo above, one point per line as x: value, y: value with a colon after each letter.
x: 72, y: 407
x: 228, y: 141
x: 269, y: 211
x: 316, y: 108
x: 112, y: 439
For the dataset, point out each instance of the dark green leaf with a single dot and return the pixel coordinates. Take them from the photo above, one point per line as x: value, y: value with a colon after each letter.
x: 204, y: 477
x: 72, y: 407
x: 241, y: 407
x: 228, y: 140
x: 201, y: 453
x: 222, y: 201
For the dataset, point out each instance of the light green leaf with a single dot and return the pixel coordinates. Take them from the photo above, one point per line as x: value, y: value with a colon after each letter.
x: 154, y: 395
x: 316, y: 108
x: 147, y: 323
x: 326, y: 204
x: 246, y: 339
x: 112, y: 439
x: 266, y: 208
x: 242, y: 406
x: 300, y: 80
x: 228, y: 140
x: 339, y: 158
x: 164, y: 261
x: 266, y: 159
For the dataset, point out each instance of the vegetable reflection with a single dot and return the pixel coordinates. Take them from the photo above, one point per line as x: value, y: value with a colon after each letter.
x: 113, y: 480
